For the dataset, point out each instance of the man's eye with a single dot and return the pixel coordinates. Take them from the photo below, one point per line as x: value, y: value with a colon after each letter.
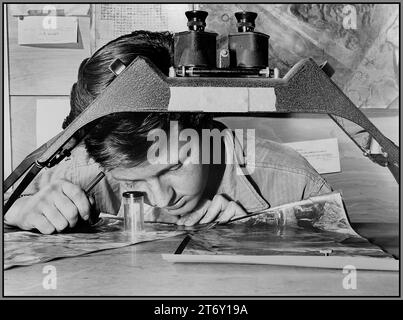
x: 176, y: 167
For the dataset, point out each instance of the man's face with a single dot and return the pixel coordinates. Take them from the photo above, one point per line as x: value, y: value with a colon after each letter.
x: 176, y: 186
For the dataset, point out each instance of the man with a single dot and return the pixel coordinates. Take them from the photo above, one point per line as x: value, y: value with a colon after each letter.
x: 187, y: 188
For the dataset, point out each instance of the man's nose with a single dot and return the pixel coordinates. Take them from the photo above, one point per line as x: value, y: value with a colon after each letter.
x: 161, y: 193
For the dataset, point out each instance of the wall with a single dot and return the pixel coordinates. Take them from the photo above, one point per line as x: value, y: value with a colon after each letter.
x: 39, y: 72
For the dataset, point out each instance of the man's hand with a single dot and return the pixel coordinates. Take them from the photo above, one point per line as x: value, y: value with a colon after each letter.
x: 219, y: 209
x: 54, y: 208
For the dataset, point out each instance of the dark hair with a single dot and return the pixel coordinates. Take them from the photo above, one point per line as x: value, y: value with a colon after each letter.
x: 94, y: 74
x: 121, y: 139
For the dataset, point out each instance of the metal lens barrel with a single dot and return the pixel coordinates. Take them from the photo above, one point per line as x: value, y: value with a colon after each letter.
x: 248, y: 49
x: 195, y: 47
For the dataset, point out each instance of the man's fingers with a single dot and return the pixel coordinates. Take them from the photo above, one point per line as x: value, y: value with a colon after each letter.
x: 67, y: 208
x: 232, y: 210
x: 55, y: 207
x: 218, y: 205
x: 79, y: 198
x: 41, y: 223
x: 191, y: 218
x: 55, y: 217
x: 194, y: 217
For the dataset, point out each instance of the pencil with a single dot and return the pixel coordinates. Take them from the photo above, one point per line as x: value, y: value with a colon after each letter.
x: 94, y: 182
x: 92, y: 220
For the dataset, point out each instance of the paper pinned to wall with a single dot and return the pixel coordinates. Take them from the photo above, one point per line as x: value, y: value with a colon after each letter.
x: 50, y: 114
x: 113, y: 20
x: 47, y: 30
x: 322, y: 154
x: 68, y: 9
